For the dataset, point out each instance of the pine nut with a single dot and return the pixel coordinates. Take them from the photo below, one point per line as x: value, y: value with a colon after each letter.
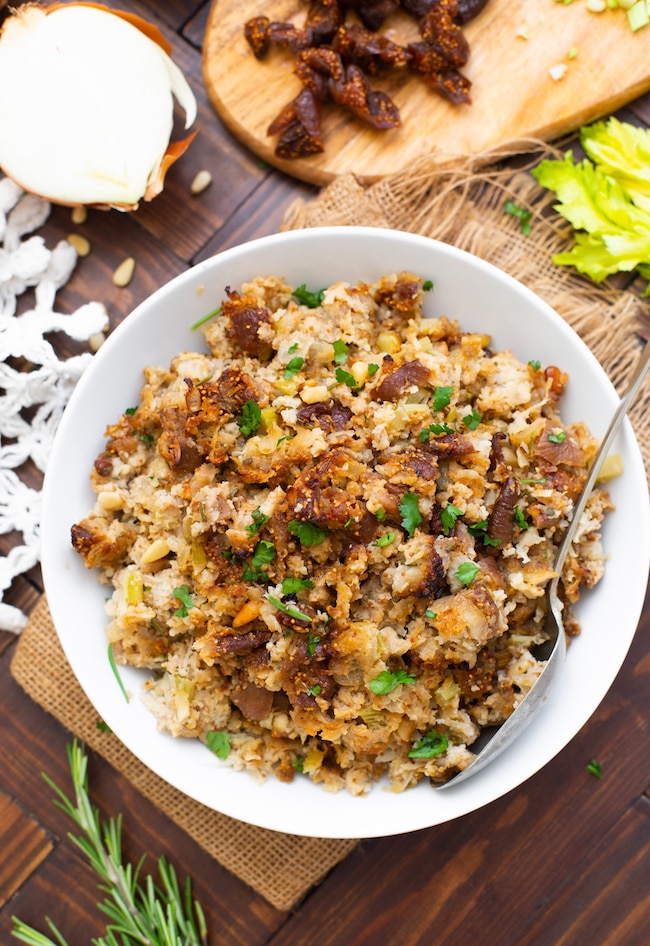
x: 109, y: 499
x: 80, y: 243
x: 79, y: 214
x: 157, y: 550
x: 314, y: 394
x: 200, y: 183
x: 124, y: 273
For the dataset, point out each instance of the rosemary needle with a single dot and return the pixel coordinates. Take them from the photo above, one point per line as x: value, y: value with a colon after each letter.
x: 140, y: 912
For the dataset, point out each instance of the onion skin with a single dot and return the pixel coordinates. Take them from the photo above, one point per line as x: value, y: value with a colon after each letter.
x: 85, y: 162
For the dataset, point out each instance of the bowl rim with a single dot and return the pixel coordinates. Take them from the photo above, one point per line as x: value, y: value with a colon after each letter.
x: 364, y: 824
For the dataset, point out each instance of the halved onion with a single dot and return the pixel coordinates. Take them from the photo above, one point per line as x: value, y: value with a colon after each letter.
x: 87, y: 103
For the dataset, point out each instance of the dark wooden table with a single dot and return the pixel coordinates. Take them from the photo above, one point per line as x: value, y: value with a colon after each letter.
x: 565, y: 859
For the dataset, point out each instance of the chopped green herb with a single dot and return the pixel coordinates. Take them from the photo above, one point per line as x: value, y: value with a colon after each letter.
x: 479, y: 530
x: 219, y: 743
x: 387, y: 680
x: 434, y: 743
x: 251, y: 418
x: 558, y: 438
x: 206, y: 318
x: 315, y: 690
x: 472, y: 420
x: 311, y: 299
x: 349, y: 522
x: 293, y: 367
x: 308, y: 533
x: 289, y: 609
x: 259, y: 520
x: 535, y: 364
x: 344, y: 377
x: 116, y: 673
x: 520, y: 519
x: 293, y: 348
x: 292, y: 585
x: 157, y: 626
x: 430, y: 614
x: 313, y: 640
x: 263, y: 554
x: 467, y: 572
x: 146, y: 438
x: 595, y: 768
x: 410, y: 512
x: 524, y: 216
x: 380, y: 514
x: 427, y: 285
x: 130, y: 411
x: 541, y: 479
x: 340, y: 352
x: 448, y: 517
x: 282, y: 439
x: 435, y: 429
x: 372, y: 369
x: 184, y: 596
x: 298, y: 764
x: 385, y: 539
x: 441, y: 397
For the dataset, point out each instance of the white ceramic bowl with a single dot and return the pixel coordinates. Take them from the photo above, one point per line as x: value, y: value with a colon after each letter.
x: 483, y: 299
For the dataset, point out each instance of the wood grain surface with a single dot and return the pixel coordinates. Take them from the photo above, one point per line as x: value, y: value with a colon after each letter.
x: 513, y: 95
x: 563, y: 861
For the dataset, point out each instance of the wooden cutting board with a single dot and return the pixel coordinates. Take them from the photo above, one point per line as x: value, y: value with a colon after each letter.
x: 513, y: 94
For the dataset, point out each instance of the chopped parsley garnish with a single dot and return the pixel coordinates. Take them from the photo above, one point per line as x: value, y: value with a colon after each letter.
x: 206, y: 318
x: 427, y: 285
x: 385, y: 539
x: 315, y: 690
x: 467, y: 572
x: 130, y: 411
x: 595, y: 768
x: 313, y: 640
x: 293, y: 348
x: 372, y: 369
x: 311, y: 299
x: 472, y: 420
x: 116, y: 673
x: 520, y: 519
x: 259, y: 520
x: 147, y: 438
x: 219, y: 743
x: 535, y: 364
x: 292, y: 585
x: 289, y: 609
x: 293, y: 367
x: 410, y: 512
x: 436, y: 429
x: 380, y: 514
x: 448, y: 517
x: 251, y: 418
x: 387, y: 680
x: 344, y: 377
x: 442, y: 397
x: 184, y: 596
x: 558, y: 438
x: 430, y: 614
x: 479, y: 530
x: 308, y: 533
x: 434, y: 743
x: 340, y: 352
x: 263, y: 554
x: 298, y: 764
x: 510, y: 207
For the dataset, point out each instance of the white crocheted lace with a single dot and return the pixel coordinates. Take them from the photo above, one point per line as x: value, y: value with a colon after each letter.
x: 31, y: 400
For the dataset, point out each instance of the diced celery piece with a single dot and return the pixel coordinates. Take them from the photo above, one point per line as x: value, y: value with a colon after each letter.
x: 637, y: 15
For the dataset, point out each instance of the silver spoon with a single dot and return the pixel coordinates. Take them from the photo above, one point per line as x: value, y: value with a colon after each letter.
x: 492, y: 742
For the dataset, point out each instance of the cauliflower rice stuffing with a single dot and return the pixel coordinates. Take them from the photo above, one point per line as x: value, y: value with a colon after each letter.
x: 329, y: 538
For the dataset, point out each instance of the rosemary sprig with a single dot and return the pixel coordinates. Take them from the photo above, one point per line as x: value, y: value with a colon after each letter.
x: 141, y: 912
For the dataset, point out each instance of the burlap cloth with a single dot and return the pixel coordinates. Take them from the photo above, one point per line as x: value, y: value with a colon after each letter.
x: 461, y: 206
